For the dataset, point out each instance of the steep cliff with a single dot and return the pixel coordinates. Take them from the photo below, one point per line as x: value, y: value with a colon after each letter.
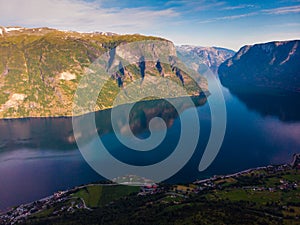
x: 264, y: 67
x: 40, y: 68
x: 212, y: 57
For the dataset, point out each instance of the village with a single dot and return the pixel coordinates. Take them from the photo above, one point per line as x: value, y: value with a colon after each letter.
x: 70, y: 204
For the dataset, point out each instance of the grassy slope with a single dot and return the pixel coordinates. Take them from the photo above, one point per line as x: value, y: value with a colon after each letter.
x: 99, y: 195
x: 34, y: 60
x: 230, y: 205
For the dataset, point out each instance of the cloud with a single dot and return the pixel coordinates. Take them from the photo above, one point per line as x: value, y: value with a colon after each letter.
x: 81, y: 15
x: 238, y: 7
x: 283, y: 10
x: 228, y: 17
x: 274, y: 11
x: 195, y: 5
x: 288, y: 1
x: 286, y: 25
x: 212, y: 5
x: 291, y: 25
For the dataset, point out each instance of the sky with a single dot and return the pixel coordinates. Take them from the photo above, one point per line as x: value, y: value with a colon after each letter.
x: 224, y: 23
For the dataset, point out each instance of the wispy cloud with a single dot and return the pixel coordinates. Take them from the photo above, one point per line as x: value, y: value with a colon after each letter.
x: 288, y: 1
x: 274, y: 11
x: 283, y: 10
x: 286, y: 25
x: 212, y: 5
x: 82, y: 16
x: 237, y: 7
x: 228, y: 17
x: 196, y: 5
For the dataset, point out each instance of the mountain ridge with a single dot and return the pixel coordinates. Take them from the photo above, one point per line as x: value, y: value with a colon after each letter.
x: 211, y: 57
x: 17, y: 29
x: 40, y: 68
x: 272, y: 65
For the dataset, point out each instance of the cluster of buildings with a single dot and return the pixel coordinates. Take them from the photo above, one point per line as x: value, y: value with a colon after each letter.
x: 22, y: 212
x: 149, y: 189
x: 287, y: 185
x: 216, y: 181
x: 284, y: 185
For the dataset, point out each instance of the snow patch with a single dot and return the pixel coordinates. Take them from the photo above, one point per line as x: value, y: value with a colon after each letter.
x: 292, y: 52
x: 67, y: 76
x: 242, y: 51
x: 8, y: 29
x: 273, y: 60
x: 106, y: 33
x: 279, y: 43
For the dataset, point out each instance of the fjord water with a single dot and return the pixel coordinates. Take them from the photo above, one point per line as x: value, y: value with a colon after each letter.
x: 39, y: 156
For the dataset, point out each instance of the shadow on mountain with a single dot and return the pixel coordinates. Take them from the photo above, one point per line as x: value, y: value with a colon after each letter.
x: 286, y: 107
x: 159, y: 68
x: 57, y: 133
x: 142, y: 66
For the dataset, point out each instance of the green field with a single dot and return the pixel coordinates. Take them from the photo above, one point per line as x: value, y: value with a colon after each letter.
x: 234, y: 201
x: 99, y: 195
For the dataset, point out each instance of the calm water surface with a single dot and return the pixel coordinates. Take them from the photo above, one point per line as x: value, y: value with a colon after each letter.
x: 40, y: 156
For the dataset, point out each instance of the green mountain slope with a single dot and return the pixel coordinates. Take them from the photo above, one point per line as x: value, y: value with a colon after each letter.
x: 40, y: 69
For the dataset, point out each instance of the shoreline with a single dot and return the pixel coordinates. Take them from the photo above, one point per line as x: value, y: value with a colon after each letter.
x: 296, y: 158
x: 203, y: 94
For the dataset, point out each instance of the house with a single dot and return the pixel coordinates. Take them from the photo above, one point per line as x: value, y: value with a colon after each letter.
x: 149, y: 188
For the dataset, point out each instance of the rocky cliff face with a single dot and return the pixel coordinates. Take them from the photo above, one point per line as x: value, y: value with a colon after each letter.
x: 269, y: 66
x: 209, y: 56
x: 40, y: 68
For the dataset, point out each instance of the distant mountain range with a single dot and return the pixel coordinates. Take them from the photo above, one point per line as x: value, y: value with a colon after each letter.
x: 40, y: 68
x: 196, y: 56
x: 263, y: 67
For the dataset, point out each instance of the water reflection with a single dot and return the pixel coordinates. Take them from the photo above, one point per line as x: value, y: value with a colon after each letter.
x: 285, y: 107
x: 40, y: 156
x: 36, y: 133
x: 57, y: 133
x: 47, y: 165
x: 142, y: 113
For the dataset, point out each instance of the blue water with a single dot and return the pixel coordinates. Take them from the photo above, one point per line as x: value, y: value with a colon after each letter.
x: 40, y: 156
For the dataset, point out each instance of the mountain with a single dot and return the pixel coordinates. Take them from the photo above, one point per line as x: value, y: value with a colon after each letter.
x: 40, y: 68
x: 212, y: 57
x: 262, y: 67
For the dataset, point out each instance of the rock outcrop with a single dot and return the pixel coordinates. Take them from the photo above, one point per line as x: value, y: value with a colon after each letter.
x: 46, y: 65
x: 212, y: 57
x: 270, y: 67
